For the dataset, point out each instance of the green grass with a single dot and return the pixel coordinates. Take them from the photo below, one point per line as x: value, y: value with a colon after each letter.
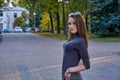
x: 53, y: 35
x: 90, y: 36
x: 105, y: 39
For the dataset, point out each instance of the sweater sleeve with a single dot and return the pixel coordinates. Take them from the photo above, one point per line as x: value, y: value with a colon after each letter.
x: 82, y: 49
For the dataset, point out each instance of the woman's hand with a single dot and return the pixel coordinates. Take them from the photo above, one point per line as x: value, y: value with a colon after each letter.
x: 67, y: 74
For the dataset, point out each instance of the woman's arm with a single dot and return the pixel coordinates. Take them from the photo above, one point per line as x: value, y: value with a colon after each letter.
x: 82, y: 50
x: 73, y: 69
x: 76, y: 69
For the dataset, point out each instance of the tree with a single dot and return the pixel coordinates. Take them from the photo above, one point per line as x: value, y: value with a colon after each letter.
x: 37, y: 17
x: 45, y: 21
x: 25, y: 18
x: 80, y: 5
x: 20, y: 22
x: 50, y: 6
x: 24, y: 14
x: 28, y: 4
x: 4, y: 3
x: 1, y: 3
x: 105, y: 17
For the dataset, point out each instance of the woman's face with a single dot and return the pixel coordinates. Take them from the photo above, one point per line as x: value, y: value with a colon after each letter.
x: 71, y: 25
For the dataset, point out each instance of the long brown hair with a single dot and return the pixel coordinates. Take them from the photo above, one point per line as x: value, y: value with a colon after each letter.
x: 81, y: 28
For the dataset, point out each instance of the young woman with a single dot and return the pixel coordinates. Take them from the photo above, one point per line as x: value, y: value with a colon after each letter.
x: 75, y: 49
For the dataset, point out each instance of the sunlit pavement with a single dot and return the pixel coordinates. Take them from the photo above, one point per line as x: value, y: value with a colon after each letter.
x: 27, y: 56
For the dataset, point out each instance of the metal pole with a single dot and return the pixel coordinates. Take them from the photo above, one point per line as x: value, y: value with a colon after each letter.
x: 63, y: 13
x: 66, y: 26
x: 34, y: 21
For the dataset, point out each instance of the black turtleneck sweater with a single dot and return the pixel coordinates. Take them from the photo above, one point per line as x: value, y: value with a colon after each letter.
x: 74, y: 51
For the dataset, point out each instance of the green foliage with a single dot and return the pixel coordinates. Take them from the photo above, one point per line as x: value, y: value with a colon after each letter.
x: 105, y: 18
x: 28, y: 4
x: 54, y: 9
x: 4, y: 3
x: 19, y: 22
x: 24, y: 14
x: 94, y: 37
x: 90, y: 35
x: 54, y: 35
x: 45, y: 21
x: 37, y: 17
x: 1, y: 3
x: 49, y: 5
x: 79, y: 5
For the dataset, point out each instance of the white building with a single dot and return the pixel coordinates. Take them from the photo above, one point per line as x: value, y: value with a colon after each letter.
x: 7, y: 16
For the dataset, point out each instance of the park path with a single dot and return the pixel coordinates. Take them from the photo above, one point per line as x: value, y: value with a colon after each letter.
x: 27, y: 56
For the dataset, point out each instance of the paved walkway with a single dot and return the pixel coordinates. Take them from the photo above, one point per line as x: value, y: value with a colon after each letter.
x: 27, y: 56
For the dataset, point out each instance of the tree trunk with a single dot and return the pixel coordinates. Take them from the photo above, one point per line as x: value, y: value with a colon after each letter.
x: 58, y: 22
x: 51, y: 21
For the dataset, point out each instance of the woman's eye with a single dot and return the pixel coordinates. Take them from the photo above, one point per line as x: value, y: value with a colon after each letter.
x: 74, y: 23
x: 69, y: 23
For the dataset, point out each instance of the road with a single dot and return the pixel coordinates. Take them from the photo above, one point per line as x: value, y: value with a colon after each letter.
x: 27, y: 56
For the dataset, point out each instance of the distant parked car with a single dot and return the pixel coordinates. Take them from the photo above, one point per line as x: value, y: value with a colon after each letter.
x: 0, y: 36
x: 27, y: 29
x: 37, y: 29
x: 6, y: 30
x: 18, y: 29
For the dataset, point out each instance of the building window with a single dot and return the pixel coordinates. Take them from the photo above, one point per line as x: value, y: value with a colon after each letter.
x: 15, y: 15
x: 1, y: 13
